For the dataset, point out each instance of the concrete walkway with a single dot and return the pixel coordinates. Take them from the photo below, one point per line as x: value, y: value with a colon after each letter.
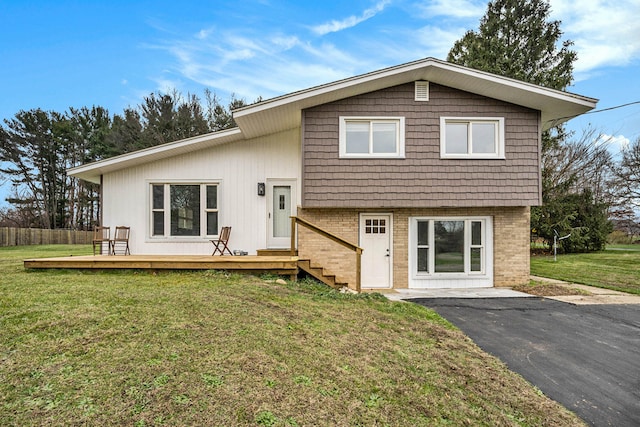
x: 594, y: 295
x: 403, y: 294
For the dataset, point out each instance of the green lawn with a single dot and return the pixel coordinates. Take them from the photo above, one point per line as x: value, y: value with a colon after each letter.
x: 617, y: 268
x: 207, y: 348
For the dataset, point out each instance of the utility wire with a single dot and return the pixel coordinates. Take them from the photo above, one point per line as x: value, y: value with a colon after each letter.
x: 595, y: 111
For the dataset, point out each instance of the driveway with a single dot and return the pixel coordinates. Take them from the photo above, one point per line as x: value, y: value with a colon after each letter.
x: 587, y: 357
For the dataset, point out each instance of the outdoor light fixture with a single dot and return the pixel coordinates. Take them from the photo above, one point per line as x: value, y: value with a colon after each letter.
x: 261, y: 189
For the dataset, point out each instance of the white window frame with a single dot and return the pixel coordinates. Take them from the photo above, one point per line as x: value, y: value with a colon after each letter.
x: 499, y: 137
x: 486, y: 248
x: 398, y: 121
x: 166, y: 210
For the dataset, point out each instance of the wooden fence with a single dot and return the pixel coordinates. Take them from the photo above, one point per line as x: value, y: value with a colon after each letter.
x: 10, y: 236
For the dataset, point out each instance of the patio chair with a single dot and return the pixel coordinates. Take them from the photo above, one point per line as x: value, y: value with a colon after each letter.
x: 120, y: 241
x: 221, y: 242
x: 101, y: 236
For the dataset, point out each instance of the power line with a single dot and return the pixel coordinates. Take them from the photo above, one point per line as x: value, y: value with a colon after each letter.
x: 595, y: 111
x: 612, y: 108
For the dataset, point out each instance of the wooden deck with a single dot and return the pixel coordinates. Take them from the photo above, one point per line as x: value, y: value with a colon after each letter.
x: 281, y: 265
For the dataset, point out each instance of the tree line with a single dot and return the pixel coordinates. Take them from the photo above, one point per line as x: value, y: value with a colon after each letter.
x: 583, y: 184
x: 37, y: 147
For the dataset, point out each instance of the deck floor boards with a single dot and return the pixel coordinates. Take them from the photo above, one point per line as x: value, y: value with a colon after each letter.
x: 286, y: 265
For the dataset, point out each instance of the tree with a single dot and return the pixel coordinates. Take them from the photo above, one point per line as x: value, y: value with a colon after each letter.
x: 516, y: 39
x: 125, y: 135
x: 170, y: 117
x: 32, y: 147
x: 37, y: 147
x: 628, y: 175
x: 219, y: 117
x: 90, y: 129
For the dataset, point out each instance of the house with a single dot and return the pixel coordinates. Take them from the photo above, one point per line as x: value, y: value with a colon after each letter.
x: 428, y: 166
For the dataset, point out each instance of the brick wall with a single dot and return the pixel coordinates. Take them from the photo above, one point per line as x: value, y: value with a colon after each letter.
x: 323, y: 252
x: 510, y: 241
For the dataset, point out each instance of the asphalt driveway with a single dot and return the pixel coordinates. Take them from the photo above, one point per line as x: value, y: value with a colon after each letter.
x: 586, y: 357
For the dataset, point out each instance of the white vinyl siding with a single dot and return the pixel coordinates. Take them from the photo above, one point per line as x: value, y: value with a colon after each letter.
x: 364, y: 137
x: 236, y: 167
x: 477, y: 138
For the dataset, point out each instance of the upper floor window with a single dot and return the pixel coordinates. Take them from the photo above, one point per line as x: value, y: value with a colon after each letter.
x: 181, y: 210
x: 362, y: 137
x: 479, y: 138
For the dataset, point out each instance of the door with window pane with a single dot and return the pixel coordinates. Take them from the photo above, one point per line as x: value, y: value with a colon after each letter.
x: 279, y: 211
x: 375, y: 240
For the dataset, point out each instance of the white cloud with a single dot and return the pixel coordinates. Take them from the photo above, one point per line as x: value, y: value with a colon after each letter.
x: 165, y: 85
x: 267, y: 61
x: 335, y: 26
x: 285, y: 42
x: 204, y: 34
x: 438, y: 41
x: 605, y: 32
x: 615, y: 143
x: 452, y: 8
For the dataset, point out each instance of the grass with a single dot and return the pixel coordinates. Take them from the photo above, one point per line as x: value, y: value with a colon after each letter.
x: 208, y: 348
x: 630, y: 247
x: 610, y: 269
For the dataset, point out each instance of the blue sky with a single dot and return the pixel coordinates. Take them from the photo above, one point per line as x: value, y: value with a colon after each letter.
x: 74, y: 53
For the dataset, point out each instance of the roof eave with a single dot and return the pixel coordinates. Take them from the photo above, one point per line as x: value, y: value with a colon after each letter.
x: 92, y: 171
x: 556, y: 106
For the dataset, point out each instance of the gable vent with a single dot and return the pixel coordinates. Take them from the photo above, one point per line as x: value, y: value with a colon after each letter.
x: 422, y: 91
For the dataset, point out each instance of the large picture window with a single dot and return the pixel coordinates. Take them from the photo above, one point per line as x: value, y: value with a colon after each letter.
x: 481, y: 138
x: 362, y: 137
x: 449, y: 246
x: 184, y: 210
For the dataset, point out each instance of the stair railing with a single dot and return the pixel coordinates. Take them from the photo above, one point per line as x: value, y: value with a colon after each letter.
x: 295, y: 221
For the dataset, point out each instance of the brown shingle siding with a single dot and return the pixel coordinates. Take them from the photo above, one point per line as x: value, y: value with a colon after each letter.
x: 422, y: 178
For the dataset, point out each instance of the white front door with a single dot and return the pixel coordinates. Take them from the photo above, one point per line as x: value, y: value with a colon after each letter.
x: 375, y: 240
x: 280, y: 208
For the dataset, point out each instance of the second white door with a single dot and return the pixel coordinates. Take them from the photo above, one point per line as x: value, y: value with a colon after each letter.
x: 375, y: 240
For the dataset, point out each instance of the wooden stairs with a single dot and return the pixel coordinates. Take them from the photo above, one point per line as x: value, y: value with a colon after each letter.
x: 320, y: 273
x: 307, y: 266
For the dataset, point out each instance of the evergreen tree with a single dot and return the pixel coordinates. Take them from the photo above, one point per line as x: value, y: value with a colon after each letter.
x: 219, y: 117
x: 32, y: 147
x: 90, y: 131
x: 517, y: 39
x: 125, y: 135
x: 170, y: 117
x: 37, y: 147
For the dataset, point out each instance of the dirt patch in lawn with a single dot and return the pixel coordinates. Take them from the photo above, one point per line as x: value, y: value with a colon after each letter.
x: 544, y: 289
